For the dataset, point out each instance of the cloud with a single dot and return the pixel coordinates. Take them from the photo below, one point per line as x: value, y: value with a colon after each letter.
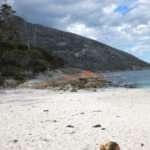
x: 109, y: 9
x: 123, y: 24
x: 82, y: 29
x: 8, y: 1
x: 141, y: 48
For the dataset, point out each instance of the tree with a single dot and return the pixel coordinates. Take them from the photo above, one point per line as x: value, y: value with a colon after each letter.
x: 6, y: 11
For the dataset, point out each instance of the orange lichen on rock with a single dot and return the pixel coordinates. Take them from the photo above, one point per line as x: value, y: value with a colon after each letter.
x: 88, y: 74
x: 83, y: 74
x: 80, y: 80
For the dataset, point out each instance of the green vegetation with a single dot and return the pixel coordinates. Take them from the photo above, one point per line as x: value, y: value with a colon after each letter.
x: 17, y: 61
x: 6, y: 11
x: 6, y: 23
x: 20, y: 63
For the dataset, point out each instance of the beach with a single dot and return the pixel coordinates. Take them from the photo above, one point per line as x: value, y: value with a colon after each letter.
x: 57, y: 120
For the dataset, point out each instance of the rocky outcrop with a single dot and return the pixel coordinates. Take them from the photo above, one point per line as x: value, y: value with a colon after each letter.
x: 82, y: 79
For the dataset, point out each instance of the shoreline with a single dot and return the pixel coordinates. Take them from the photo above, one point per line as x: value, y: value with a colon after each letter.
x: 45, y: 119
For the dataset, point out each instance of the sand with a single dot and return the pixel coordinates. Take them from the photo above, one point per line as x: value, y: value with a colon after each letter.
x: 49, y: 120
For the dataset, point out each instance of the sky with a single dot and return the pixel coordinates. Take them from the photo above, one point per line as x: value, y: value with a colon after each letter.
x: 123, y: 24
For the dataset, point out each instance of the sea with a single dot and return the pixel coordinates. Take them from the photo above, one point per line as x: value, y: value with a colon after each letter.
x: 130, y: 79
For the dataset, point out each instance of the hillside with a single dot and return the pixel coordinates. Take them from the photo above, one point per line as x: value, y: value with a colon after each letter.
x: 20, y: 63
x: 77, y: 51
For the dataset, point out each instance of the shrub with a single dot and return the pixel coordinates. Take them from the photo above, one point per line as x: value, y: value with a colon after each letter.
x: 17, y: 60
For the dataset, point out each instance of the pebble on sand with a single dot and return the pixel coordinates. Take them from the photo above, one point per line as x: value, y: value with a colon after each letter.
x: 97, y: 126
x: 15, y: 141
x: 70, y: 126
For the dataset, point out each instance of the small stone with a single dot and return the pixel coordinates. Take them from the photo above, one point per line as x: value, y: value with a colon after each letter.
x: 15, y: 141
x: 45, y: 140
x: 74, y: 90
x: 70, y: 126
x: 103, y: 128
x: 110, y: 146
x: 46, y: 110
x: 97, y: 126
x: 82, y: 113
x: 54, y: 121
x: 142, y: 145
x: 117, y: 116
x: 73, y: 132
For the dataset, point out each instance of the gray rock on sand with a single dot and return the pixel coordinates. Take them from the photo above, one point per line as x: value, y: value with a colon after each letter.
x: 70, y: 126
x: 15, y: 141
x: 103, y: 128
x: 97, y: 126
x: 46, y: 110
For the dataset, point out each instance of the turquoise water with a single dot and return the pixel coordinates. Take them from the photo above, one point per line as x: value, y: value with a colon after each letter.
x: 134, y: 79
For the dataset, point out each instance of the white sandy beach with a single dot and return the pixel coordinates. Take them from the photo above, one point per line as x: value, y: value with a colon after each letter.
x: 38, y: 119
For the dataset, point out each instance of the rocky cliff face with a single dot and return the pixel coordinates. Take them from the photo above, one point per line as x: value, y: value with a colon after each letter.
x: 76, y: 51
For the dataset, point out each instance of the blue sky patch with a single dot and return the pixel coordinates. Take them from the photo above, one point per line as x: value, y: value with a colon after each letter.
x: 122, y: 10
